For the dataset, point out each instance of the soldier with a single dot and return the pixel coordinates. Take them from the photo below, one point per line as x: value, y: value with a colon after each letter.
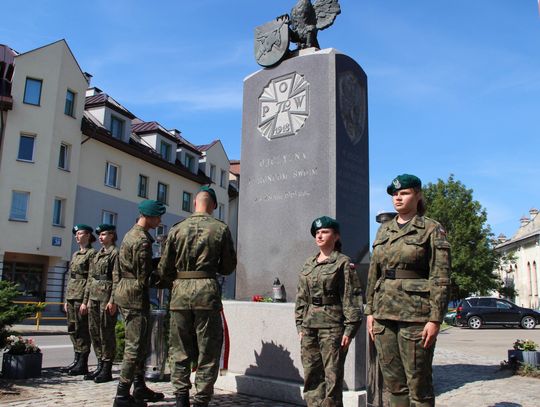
x: 196, y: 250
x: 77, y: 317
x: 98, y: 299
x: 407, y: 295
x: 133, y: 298
x: 328, y: 314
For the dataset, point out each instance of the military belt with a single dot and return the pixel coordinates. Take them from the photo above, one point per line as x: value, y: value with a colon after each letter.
x: 127, y: 274
x: 103, y: 277
x: 77, y: 276
x: 325, y: 300
x: 195, y: 274
x: 396, y: 274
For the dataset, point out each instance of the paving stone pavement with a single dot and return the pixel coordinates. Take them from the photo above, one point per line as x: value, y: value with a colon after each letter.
x: 55, y: 389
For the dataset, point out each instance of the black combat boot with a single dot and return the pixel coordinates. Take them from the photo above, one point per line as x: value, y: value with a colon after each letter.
x: 92, y: 375
x: 182, y: 400
x: 141, y: 392
x: 124, y: 399
x: 105, y: 374
x: 67, y: 368
x: 81, y: 367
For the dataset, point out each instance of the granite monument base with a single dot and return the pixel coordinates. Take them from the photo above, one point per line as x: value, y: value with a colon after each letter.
x: 264, y: 358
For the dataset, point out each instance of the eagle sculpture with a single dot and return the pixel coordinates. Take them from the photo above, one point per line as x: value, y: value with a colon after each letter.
x: 307, y: 19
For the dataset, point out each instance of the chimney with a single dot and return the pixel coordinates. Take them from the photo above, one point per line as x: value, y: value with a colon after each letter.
x: 88, y: 77
x: 175, y: 132
x: 501, y: 238
x: 524, y: 220
x: 533, y: 212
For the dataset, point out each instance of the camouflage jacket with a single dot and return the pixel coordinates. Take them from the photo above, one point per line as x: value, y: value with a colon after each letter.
x: 103, y: 266
x: 135, y: 260
x: 333, y: 278
x: 420, y: 247
x: 198, y: 243
x: 78, y: 273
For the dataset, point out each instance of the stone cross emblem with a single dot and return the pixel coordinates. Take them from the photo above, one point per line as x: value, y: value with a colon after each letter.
x: 283, y: 106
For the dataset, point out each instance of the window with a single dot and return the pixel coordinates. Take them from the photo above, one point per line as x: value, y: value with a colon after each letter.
x: 186, y: 201
x: 58, y: 212
x: 143, y: 186
x: 117, y: 127
x: 221, y: 212
x: 223, y: 179
x: 503, y: 305
x: 28, y: 278
x: 69, y: 107
x: 26, y: 148
x: 213, y: 172
x: 111, y: 175
x: 165, y: 151
x: 161, y: 230
x: 63, y: 157
x: 108, y: 217
x: 188, y: 161
x: 162, y: 192
x: 32, y: 91
x: 19, y: 206
x: 486, y: 302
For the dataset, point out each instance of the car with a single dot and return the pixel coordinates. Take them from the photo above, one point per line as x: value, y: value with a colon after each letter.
x: 450, y: 318
x: 476, y: 312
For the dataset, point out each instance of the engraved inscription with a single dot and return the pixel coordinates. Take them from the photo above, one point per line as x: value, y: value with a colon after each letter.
x: 283, y: 106
x: 352, y: 105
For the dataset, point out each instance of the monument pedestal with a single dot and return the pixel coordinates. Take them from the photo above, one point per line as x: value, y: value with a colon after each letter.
x: 264, y: 358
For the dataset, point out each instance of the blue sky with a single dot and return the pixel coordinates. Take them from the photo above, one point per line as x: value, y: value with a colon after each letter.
x: 454, y: 86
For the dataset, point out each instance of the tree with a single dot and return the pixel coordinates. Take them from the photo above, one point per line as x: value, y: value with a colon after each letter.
x: 11, y: 313
x: 464, y: 220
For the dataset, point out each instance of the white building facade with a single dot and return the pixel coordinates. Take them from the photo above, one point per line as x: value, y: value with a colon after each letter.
x: 520, y: 271
x: 72, y: 154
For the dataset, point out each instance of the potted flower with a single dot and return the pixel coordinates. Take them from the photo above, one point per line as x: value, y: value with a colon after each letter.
x: 22, y: 358
x: 525, y: 351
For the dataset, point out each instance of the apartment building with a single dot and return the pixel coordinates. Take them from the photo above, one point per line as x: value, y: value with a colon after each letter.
x: 71, y: 153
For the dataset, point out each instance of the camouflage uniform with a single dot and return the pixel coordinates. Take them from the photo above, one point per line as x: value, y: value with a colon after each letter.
x: 77, y: 323
x: 196, y: 250
x: 133, y: 298
x: 97, y: 295
x: 328, y: 306
x: 407, y: 287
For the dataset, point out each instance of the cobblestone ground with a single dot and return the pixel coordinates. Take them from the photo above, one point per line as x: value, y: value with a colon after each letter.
x: 469, y: 381
x: 54, y: 389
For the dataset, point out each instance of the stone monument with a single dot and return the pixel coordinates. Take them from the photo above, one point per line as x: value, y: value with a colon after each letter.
x: 304, y: 154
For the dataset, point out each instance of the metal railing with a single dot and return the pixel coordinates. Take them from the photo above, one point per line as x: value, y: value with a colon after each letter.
x: 39, y: 314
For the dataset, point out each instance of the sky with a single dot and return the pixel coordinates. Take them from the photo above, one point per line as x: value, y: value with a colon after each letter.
x: 453, y: 86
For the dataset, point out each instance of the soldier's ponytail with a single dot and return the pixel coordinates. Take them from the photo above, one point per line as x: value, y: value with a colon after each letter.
x: 421, y: 206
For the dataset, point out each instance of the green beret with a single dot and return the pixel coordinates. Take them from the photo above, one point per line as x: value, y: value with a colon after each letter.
x: 324, y: 222
x: 150, y: 207
x: 210, y: 191
x: 403, y: 181
x: 104, y: 227
x: 82, y: 226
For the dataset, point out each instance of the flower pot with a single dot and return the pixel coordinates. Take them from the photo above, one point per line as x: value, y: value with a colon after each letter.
x: 524, y: 356
x: 22, y: 366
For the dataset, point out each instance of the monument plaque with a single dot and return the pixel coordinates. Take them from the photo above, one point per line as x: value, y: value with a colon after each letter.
x: 304, y: 154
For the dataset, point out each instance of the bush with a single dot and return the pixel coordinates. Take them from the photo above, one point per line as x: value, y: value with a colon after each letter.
x: 11, y: 313
x: 120, y: 332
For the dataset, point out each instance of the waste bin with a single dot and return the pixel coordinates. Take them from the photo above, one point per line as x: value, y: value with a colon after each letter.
x: 157, y: 346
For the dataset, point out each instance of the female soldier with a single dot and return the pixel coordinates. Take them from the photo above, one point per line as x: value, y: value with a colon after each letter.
x: 407, y: 294
x: 328, y: 314
x: 98, y: 301
x: 76, y: 317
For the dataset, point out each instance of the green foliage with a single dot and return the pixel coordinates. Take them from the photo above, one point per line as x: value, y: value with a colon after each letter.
x: 120, y: 332
x: 464, y: 219
x: 11, y: 313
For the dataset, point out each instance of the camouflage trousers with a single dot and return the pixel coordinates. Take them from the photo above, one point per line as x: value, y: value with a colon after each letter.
x: 196, y: 338
x: 136, y: 343
x: 78, y: 327
x: 405, y: 365
x: 323, y: 361
x: 101, y: 325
